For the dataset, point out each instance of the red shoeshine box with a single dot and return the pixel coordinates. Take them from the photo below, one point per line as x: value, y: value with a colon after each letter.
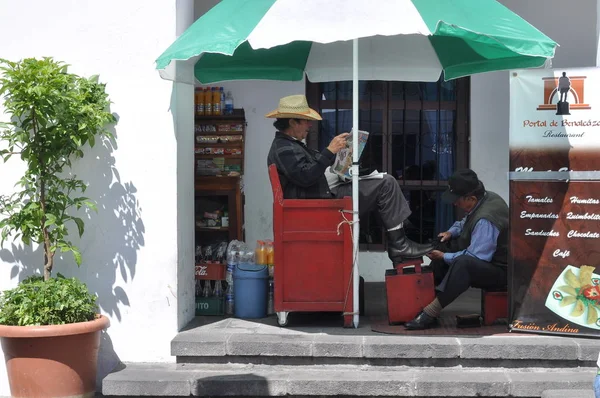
x: 408, y: 290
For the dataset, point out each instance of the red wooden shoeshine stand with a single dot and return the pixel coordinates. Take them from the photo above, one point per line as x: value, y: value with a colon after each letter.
x: 313, y: 262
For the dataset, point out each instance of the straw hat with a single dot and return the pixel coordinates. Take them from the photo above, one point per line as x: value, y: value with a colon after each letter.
x: 294, y: 107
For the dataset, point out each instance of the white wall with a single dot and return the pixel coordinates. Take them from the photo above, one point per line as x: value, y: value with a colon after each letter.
x: 574, y: 27
x: 182, y: 107
x: 258, y: 98
x: 130, y: 247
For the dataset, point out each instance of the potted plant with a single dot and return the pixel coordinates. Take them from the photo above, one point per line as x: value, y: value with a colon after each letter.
x: 49, y: 326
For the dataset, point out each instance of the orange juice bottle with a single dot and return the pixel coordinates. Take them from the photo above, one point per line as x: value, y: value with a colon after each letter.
x: 260, y: 255
x: 216, y: 101
x: 207, y: 102
x: 270, y: 249
x: 199, y: 101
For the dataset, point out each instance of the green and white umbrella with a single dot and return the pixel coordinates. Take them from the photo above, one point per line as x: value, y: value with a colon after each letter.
x: 402, y: 40
x: 406, y: 40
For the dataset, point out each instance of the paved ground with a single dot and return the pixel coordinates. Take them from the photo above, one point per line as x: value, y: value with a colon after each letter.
x: 330, y: 323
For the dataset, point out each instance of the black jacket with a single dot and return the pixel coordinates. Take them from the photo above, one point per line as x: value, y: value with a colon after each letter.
x: 301, y: 170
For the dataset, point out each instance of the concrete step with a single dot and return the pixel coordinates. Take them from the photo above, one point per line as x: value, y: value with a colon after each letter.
x: 517, y: 351
x: 218, y: 380
x: 589, y: 393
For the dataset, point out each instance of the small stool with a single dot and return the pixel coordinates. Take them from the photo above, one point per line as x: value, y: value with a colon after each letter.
x: 494, y: 305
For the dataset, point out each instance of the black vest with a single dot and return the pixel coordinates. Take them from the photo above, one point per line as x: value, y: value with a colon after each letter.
x: 494, y: 209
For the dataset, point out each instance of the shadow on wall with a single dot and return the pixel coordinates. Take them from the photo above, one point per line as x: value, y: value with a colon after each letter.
x: 109, y: 246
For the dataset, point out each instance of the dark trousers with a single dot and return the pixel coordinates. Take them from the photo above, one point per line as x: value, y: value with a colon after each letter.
x: 466, y: 271
x: 382, y: 194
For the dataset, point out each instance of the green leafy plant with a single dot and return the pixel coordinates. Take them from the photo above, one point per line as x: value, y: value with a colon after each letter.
x: 56, y: 301
x: 53, y: 116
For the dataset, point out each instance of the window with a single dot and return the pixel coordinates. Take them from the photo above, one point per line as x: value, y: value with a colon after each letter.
x: 418, y: 134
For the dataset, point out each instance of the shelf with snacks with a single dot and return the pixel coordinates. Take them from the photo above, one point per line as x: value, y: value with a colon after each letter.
x: 221, y: 133
x: 218, y: 204
x: 219, y: 144
x: 237, y: 115
x: 212, y: 229
x: 224, y: 156
x: 212, y: 128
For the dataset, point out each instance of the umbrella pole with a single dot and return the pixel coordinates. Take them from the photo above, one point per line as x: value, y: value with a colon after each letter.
x: 355, y: 225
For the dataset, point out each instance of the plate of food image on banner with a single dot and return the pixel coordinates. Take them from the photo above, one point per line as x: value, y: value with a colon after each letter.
x: 575, y: 296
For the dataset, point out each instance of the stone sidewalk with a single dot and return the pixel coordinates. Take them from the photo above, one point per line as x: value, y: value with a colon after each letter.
x: 315, y: 357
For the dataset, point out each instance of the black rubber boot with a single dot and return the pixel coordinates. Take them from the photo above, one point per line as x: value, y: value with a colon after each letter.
x: 400, y: 247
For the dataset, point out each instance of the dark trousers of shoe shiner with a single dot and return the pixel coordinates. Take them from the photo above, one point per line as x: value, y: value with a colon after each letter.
x: 382, y: 194
x: 439, y: 267
x: 466, y: 271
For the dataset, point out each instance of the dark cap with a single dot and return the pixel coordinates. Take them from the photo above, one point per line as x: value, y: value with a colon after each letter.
x: 462, y: 183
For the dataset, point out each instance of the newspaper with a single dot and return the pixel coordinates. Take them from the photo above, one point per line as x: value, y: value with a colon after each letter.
x: 335, y: 180
x: 343, y: 160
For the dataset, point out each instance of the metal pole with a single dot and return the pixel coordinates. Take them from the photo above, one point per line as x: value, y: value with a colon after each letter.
x: 355, y: 225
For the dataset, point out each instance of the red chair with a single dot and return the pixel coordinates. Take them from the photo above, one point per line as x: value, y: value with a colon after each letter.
x: 313, y: 263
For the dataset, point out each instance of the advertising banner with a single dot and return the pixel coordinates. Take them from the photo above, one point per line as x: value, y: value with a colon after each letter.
x: 554, y: 264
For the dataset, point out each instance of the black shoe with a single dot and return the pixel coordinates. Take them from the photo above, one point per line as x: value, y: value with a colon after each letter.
x: 421, y: 322
x: 400, y: 247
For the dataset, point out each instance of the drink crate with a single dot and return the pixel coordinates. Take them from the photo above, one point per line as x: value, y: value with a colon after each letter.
x: 210, y: 306
x: 210, y: 271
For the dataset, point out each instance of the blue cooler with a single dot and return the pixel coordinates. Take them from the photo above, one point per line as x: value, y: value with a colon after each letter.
x: 250, y: 290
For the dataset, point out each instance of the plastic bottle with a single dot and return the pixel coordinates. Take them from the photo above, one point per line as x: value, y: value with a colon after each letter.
x: 218, y: 291
x: 206, y: 291
x: 247, y: 257
x: 271, y: 300
x: 222, y: 99
x: 225, y: 219
x: 198, y: 288
x: 199, y: 101
x: 232, y: 256
x: 229, y: 309
x: 228, y: 104
x: 270, y: 255
x: 229, y: 268
x: 260, y: 253
x: 216, y: 101
x: 207, y: 102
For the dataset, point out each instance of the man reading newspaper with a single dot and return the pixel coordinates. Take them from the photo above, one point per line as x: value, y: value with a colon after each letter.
x: 306, y: 174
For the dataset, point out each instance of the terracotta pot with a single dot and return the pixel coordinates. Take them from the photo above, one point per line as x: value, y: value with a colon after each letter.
x: 53, y: 361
